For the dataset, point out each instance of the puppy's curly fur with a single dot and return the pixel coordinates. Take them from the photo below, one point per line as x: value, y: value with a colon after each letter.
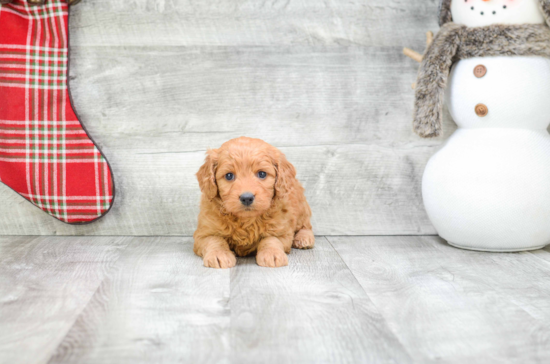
x: 277, y: 220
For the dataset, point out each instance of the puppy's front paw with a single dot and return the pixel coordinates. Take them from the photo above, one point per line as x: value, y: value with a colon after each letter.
x: 271, y: 258
x: 220, y: 259
x: 304, y: 239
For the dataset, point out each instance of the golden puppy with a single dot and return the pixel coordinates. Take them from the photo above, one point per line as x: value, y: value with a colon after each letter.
x: 251, y: 202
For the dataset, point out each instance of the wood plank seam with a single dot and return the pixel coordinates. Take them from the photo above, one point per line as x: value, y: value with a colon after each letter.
x: 395, y: 334
x: 107, y: 275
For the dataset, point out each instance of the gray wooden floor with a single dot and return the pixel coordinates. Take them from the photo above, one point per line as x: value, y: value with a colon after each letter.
x: 349, y: 300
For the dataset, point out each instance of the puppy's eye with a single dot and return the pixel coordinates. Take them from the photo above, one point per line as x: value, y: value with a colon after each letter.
x: 230, y: 176
x: 262, y: 175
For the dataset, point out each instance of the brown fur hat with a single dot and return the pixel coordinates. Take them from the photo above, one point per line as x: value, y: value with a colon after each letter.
x: 446, y: 17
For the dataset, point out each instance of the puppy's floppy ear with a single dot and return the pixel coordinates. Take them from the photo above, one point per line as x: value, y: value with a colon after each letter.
x: 207, y: 174
x: 286, y: 175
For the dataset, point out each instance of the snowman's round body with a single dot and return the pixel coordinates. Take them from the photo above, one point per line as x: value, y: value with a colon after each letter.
x: 488, y: 188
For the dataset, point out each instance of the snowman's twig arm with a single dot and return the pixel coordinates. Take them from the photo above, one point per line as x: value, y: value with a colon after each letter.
x: 429, y: 39
x: 432, y: 81
x: 415, y: 55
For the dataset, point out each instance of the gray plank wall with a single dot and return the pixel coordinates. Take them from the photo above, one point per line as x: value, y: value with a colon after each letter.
x: 157, y: 82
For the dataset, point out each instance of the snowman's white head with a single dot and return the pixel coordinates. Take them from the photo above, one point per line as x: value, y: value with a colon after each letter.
x: 477, y: 13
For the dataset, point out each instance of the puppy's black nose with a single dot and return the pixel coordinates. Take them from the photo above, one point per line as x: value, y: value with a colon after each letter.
x: 247, y: 198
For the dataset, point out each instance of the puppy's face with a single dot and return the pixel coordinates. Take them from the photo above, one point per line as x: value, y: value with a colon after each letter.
x: 246, y: 182
x: 246, y: 175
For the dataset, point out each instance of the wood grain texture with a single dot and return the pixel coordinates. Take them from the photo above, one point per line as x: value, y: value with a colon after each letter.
x: 157, y: 304
x: 313, y: 311
x: 157, y: 82
x: 45, y: 284
x: 253, y: 22
x: 351, y: 300
x: 454, y: 306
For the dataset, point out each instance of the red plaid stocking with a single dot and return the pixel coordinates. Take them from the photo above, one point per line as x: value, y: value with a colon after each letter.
x: 45, y: 154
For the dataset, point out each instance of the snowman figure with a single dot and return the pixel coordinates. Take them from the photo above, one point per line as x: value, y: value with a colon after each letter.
x: 488, y: 187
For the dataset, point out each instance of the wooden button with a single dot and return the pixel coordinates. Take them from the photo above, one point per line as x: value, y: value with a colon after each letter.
x: 480, y: 71
x: 481, y: 110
